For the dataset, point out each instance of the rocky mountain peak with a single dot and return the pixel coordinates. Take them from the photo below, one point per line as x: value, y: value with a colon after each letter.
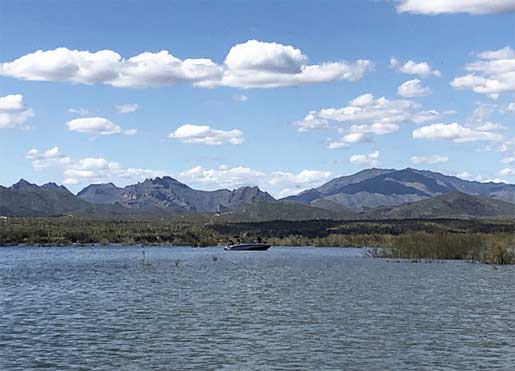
x: 23, y: 184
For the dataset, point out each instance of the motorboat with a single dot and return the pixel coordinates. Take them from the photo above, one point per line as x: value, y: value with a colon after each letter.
x: 250, y: 246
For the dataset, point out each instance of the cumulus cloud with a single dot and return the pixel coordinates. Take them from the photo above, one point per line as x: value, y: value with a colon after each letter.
x: 108, y: 67
x: 280, y: 183
x: 253, y: 64
x: 203, y: 134
x: 503, y: 146
x: 97, y: 169
x: 52, y: 157
x: 474, y: 7
x: 223, y: 176
x: 366, y: 108
x: 288, y: 183
x: 85, y: 170
x: 13, y: 113
x: 412, y: 88
x: 507, y: 172
x: 256, y: 64
x: 362, y: 133
x: 370, y: 160
x: 97, y: 126
x: 454, y: 132
x: 131, y: 132
x: 493, y: 73
x: 478, y: 178
x: 127, y: 108
x: 369, y: 116
x: 80, y: 111
x: 410, y: 67
x: 349, y: 139
x: 311, y: 122
x: 430, y: 160
x: 303, y: 178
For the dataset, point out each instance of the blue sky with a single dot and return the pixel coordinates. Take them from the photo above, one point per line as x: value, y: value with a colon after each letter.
x: 228, y: 103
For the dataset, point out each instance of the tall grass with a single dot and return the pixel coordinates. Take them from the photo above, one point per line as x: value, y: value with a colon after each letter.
x: 492, y: 249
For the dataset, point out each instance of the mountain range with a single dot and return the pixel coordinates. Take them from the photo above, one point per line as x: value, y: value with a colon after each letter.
x: 387, y: 187
x: 371, y: 193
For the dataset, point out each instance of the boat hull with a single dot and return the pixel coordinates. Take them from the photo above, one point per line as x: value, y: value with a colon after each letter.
x: 248, y: 247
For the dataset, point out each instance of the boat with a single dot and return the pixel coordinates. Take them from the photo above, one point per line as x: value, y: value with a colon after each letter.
x: 251, y: 246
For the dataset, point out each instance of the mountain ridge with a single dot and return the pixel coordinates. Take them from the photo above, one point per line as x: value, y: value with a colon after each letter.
x: 169, y: 194
x: 372, y: 188
x: 370, y: 193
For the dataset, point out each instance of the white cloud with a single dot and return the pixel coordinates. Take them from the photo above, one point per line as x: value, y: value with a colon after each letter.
x: 127, y: 108
x: 366, y: 108
x: 97, y: 126
x: 203, y: 134
x: 256, y: 64
x: 92, y: 163
x: 410, y: 67
x: 475, y: 7
x: 362, y: 133
x: 370, y: 160
x: 80, y: 111
x: 131, y: 132
x: 465, y: 175
x: 412, y: 88
x: 454, y: 132
x: 287, y: 183
x: 49, y: 158
x: 108, y: 67
x: 252, y: 64
x: 13, y: 113
x: 493, y: 73
x: 507, y: 172
x: 261, y: 56
x: 280, y: 183
x: 97, y: 169
x: 303, y: 178
x: 223, y: 176
x: 311, y: 122
x: 348, y: 139
x: 369, y: 116
x: 505, y: 145
x: 435, y: 159
x: 86, y: 170
x: 508, y: 160
x: 240, y: 98
x: 478, y: 178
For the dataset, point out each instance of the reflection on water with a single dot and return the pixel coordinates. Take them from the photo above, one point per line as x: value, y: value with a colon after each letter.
x: 286, y: 309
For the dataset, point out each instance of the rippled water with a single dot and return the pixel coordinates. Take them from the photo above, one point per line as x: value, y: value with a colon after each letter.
x: 284, y: 309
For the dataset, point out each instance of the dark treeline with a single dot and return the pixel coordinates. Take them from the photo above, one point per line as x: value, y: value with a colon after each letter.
x: 324, y: 228
x: 484, y: 240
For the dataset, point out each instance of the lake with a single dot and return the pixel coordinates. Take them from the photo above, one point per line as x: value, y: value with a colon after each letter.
x: 105, y: 308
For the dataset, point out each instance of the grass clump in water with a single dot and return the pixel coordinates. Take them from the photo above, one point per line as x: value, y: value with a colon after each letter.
x: 491, y: 249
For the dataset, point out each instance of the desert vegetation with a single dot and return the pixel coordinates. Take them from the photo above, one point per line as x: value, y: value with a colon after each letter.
x: 489, y: 241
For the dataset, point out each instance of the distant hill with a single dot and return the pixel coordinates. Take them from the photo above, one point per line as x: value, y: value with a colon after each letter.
x: 282, y: 210
x: 374, y: 188
x: 27, y: 199
x: 449, y: 205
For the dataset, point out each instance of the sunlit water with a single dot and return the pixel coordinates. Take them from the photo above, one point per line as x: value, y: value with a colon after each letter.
x: 285, y: 309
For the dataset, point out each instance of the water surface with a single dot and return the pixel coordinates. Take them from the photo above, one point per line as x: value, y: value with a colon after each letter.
x: 284, y: 309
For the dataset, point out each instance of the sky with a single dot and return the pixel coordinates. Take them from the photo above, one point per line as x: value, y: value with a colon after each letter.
x: 284, y: 95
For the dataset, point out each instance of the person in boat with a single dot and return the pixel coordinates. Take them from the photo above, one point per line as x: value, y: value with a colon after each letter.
x: 259, y: 240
